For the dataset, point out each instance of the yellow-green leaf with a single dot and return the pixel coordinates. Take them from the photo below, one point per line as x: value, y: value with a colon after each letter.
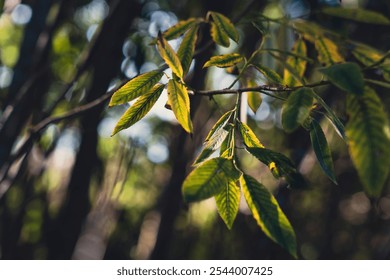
x: 135, y: 87
x: 328, y: 52
x: 369, y: 140
x: 170, y: 57
x: 209, y: 178
x: 366, y: 55
x: 180, y: 102
x: 222, y: 29
x: 268, y: 214
x: 228, y: 145
x: 218, y: 126
x: 223, y: 61
x: 269, y: 74
x: 139, y: 109
x: 322, y: 150
x: 297, y: 108
x: 187, y: 48
x: 179, y: 28
x: 254, y: 101
x: 228, y: 201
x: 346, y: 76
x: 249, y: 137
x: 296, y: 63
x: 360, y: 15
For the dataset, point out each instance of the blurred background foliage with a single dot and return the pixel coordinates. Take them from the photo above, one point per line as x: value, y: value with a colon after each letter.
x: 75, y: 192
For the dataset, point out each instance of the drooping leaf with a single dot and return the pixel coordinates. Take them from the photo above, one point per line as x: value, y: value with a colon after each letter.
x: 268, y: 214
x: 223, y: 61
x: 169, y: 56
x: 222, y: 29
x: 360, y: 15
x: 328, y: 52
x: 280, y: 165
x: 369, y: 140
x: 209, y: 178
x: 135, y: 87
x: 180, y: 102
x: 322, y: 150
x: 249, y: 137
x: 215, y: 137
x: 254, y: 101
x: 386, y: 72
x: 338, y: 125
x: 296, y: 63
x: 179, y: 28
x: 228, y: 145
x: 271, y: 75
x: 310, y: 30
x: 139, y: 109
x: 228, y: 201
x: 346, y: 76
x: 187, y: 48
x: 218, y: 126
x: 297, y: 108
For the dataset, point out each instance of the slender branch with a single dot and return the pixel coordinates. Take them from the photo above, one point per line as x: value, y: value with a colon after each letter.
x: 274, y: 88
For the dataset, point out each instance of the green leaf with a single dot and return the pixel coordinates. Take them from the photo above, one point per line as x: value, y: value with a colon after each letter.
x: 268, y: 214
x: 321, y: 149
x: 296, y: 63
x: 139, y: 109
x: 270, y: 74
x: 215, y: 137
x: 386, y: 72
x: 228, y: 145
x: 209, y: 178
x: 249, y: 137
x: 179, y: 28
x: 219, y: 126
x: 228, y: 201
x: 366, y: 55
x: 346, y: 76
x: 280, y: 166
x: 369, y: 140
x: 136, y: 87
x: 180, y: 102
x: 221, y: 29
x: 360, y: 15
x: 338, y: 125
x: 223, y: 61
x: 297, y: 108
x: 254, y: 101
x: 170, y: 57
x: 378, y: 83
x: 187, y: 48
x: 328, y: 52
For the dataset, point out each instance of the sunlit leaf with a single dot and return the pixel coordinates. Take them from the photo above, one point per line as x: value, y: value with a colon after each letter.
x: 187, y: 48
x: 297, y: 108
x: 360, y: 15
x: 215, y: 137
x: 136, y: 87
x: 169, y: 56
x: 280, y: 166
x: 366, y: 55
x: 209, y: 179
x: 346, y: 76
x: 180, y: 102
x: 179, y: 28
x: 139, y: 109
x: 269, y: 74
x: 268, y: 214
x: 310, y: 30
x: 228, y: 201
x: 322, y: 150
x: 249, y: 137
x: 228, y: 145
x: 369, y: 140
x: 328, y: 52
x: 296, y: 63
x: 222, y: 29
x: 223, y: 61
